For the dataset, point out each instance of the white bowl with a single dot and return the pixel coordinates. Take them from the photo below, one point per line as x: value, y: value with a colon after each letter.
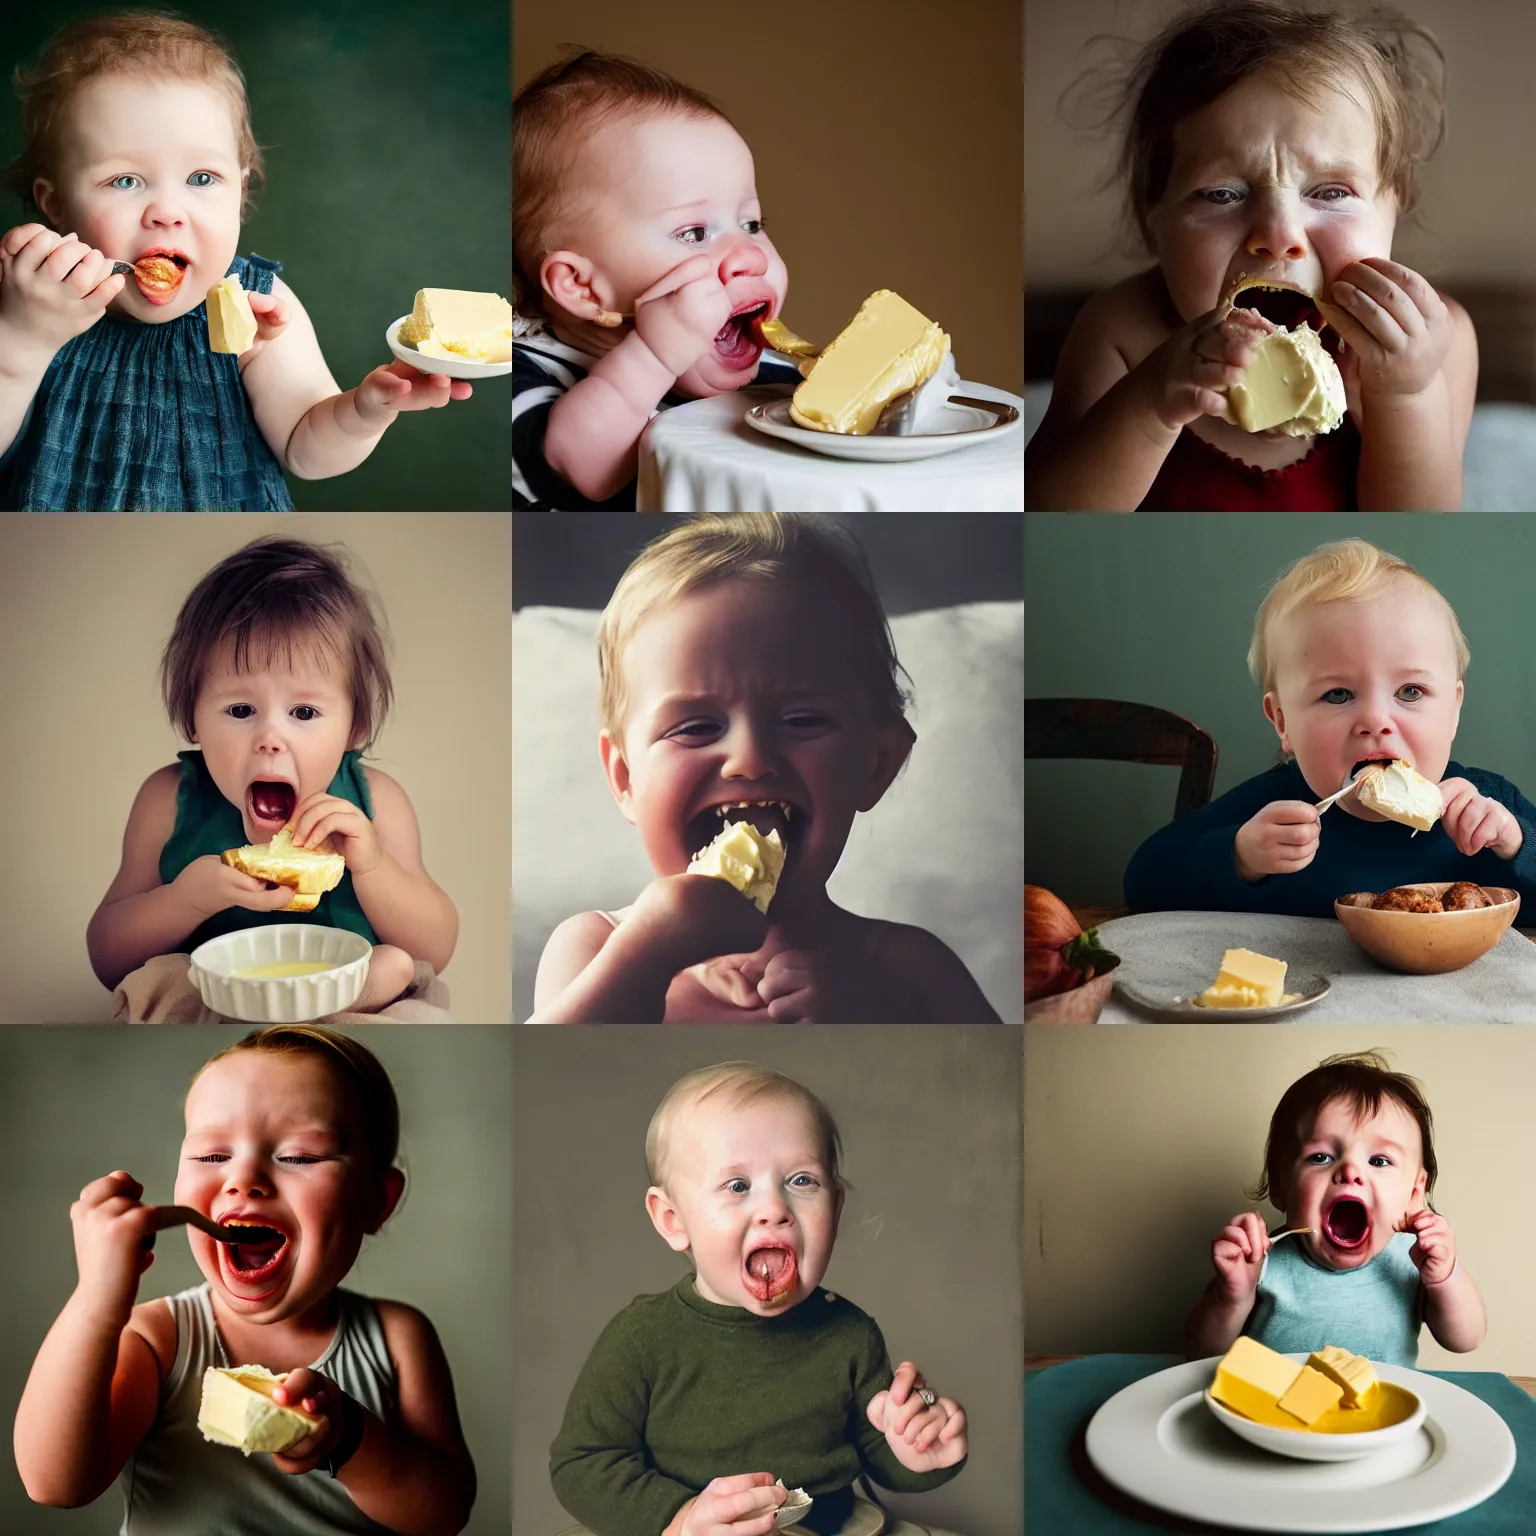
x: 453, y: 367
x: 1303, y: 1445
x: 281, y: 999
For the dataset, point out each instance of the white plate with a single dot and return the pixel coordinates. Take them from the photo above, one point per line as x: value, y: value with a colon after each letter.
x: 1305, y: 1447
x: 454, y: 367
x: 959, y: 426
x: 1169, y: 1005
x: 1156, y: 1441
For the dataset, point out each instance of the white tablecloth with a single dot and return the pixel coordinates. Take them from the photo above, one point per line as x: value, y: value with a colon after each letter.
x: 703, y: 457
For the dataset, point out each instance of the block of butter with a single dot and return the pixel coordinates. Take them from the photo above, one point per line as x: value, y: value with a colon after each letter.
x: 1246, y: 980
x: 309, y: 871
x: 452, y: 322
x: 1310, y: 1396
x: 1291, y: 386
x: 1252, y: 1379
x: 1352, y: 1373
x: 886, y: 349
x: 237, y: 1410
x: 1395, y: 791
x: 745, y: 857
x: 231, y: 325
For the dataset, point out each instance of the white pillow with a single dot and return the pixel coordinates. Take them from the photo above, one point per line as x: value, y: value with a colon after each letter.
x: 944, y: 849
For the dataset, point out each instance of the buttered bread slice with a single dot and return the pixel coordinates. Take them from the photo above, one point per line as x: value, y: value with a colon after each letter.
x: 237, y: 1410
x: 453, y: 322
x: 747, y: 858
x: 309, y: 871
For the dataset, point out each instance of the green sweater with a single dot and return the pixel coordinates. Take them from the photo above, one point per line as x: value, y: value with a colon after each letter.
x: 678, y: 1390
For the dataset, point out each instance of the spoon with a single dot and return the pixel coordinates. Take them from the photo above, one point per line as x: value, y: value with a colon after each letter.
x: 1293, y: 1232
x: 142, y: 269
x: 1322, y: 805
x: 184, y: 1215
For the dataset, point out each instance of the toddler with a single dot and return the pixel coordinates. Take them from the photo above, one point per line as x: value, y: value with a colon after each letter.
x: 695, y: 1401
x: 138, y: 144
x: 1359, y: 659
x: 746, y: 663
x: 1263, y: 140
x: 276, y: 669
x: 1351, y: 1154
x: 294, y: 1129
x: 639, y: 258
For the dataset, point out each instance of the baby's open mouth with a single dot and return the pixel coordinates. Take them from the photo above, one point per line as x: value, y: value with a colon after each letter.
x: 159, y: 274
x: 1370, y: 762
x: 1286, y: 307
x: 272, y: 802
x: 1347, y: 1223
x: 258, y: 1258
x: 764, y: 816
x: 736, y: 342
x: 771, y: 1273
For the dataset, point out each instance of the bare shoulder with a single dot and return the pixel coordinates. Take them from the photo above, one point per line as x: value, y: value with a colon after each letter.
x: 1113, y: 333
x: 569, y: 950
x: 394, y: 819
x: 153, y: 1323
x: 408, y: 1332
x: 389, y: 799
x: 919, y: 964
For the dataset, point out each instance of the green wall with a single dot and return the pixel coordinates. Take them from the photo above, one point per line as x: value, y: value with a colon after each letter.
x: 1159, y: 609
x: 386, y: 131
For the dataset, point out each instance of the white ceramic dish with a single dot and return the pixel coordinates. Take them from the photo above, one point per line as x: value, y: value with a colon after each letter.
x: 953, y: 427
x: 453, y: 367
x: 1156, y: 1441
x: 281, y: 999
x: 1307, y: 1447
x: 1169, y: 1005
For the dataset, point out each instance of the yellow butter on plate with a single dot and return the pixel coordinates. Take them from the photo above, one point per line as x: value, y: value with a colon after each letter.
x: 231, y: 323
x: 1353, y: 1373
x: 1246, y: 980
x: 745, y: 857
x: 454, y: 322
x: 1251, y: 1380
x: 237, y: 1410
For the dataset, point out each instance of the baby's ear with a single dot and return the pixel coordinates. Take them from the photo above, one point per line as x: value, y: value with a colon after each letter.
x: 894, y: 740
x: 617, y: 772
x: 665, y: 1218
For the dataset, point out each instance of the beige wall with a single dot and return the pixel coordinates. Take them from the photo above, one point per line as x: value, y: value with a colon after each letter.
x: 887, y: 140
x: 86, y: 605
x: 1479, y: 221
x: 1139, y: 1143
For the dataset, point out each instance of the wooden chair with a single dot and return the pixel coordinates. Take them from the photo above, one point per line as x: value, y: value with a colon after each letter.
x: 1126, y: 733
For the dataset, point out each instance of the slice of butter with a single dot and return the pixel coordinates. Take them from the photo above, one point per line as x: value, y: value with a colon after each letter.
x: 1252, y: 1379
x: 237, y: 1410
x: 1353, y: 1373
x: 1310, y: 1396
x: 1291, y: 386
x: 453, y: 322
x: 1246, y: 980
x: 742, y: 855
x: 231, y: 325
x: 886, y: 349
x: 310, y: 872
x: 1396, y: 791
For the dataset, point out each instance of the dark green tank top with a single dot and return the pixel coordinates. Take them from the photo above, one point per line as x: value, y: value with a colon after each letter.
x: 207, y: 823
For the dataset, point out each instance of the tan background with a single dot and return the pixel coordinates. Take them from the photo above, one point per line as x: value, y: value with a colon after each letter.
x: 1140, y: 1142
x: 86, y: 605
x: 887, y: 140
x: 1477, y: 222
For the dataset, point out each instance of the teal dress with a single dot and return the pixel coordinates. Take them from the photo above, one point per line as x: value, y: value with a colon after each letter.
x: 132, y: 417
x: 207, y: 823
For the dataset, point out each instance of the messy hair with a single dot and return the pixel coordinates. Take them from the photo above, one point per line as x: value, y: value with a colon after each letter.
x: 270, y: 598
x: 149, y: 45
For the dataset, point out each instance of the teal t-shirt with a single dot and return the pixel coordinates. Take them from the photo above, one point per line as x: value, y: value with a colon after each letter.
x: 208, y: 823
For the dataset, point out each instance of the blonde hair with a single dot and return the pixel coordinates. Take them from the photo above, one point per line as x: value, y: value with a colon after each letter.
x: 736, y: 1084
x: 1206, y: 50
x: 1347, y: 571
x: 149, y: 45
x: 760, y: 546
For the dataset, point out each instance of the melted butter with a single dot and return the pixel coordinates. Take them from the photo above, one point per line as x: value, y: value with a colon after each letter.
x: 287, y: 968
x: 1389, y: 1404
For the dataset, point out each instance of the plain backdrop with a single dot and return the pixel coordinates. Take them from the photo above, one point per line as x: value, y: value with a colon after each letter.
x: 86, y: 606
x: 1139, y: 1145
x: 886, y: 135
x: 77, y: 1103
x: 387, y: 145
x: 1160, y: 610
x: 929, y: 1234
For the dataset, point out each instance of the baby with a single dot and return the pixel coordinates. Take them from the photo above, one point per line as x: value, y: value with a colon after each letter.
x: 276, y: 668
x: 1351, y: 1154
x: 294, y: 1129
x: 639, y: 257
x: 138, y: 143
x: 746, y: 661
x: 1359, y: 659
x: 695, y: 1401
x: 1281, y: 144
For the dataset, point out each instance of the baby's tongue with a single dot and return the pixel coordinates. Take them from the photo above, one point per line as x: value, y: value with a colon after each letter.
x: 771, y: 1273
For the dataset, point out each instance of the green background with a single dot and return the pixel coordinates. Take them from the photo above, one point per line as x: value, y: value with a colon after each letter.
x: 386, y: 131
x: 1159, y: 609
x: 77, y: 1103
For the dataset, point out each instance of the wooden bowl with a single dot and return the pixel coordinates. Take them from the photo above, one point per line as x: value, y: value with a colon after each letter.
x: 1082, y: 1005
x: 1430, y: 943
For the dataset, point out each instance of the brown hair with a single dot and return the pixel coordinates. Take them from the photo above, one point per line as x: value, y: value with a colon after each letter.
x: 147, y: 44
x: 265, y: 598
x: 1205, y: 51
x: 1362, y: 1082
x: 553, y: 117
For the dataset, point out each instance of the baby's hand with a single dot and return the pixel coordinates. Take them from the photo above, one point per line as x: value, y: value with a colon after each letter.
x: 922, y: 1439
x: 113, y: 1237
x: 209, y: 885
x: 1396, y: 327
x: 679, y: 317
x: 801, y: 986
x: 1237, y: 1255
x: 1184, y: 377
x: 396, y: 386
x: 271, y: 315
x: 1475, y: 822
x: 320, y: 1398
x: 743, y: 1505
x: 1280, y: 840
x: 696, y: 917
x: 319, y: 816
x: 1434, y: 1249
x: 52, y: 287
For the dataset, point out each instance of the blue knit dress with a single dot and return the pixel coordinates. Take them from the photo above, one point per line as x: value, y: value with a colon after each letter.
x: 132, y: 417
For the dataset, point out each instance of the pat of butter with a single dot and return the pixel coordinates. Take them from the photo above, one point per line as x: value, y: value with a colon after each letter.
x: 1395, y: 791
x: 237, y: 1410
x: 1246, y: 980
x: 887, y: 348
x: 452, y: 322
x: 1252, y: 1379
x: 745, y: 857
x: 231, y: 324
x: 1291, y: 386
x: 282, y: 968
x: 1310, y: 1396
x: 1353, y: 1373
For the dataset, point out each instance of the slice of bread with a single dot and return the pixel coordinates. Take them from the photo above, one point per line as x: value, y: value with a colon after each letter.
x: 308, y: 872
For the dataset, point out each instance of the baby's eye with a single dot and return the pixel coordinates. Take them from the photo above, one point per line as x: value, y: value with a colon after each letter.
x: 234, y: 711
x: 1337, y: 696
x: 117, y: 183
x: 1410, y: 693
x: 804, y: 1181
x: 755, y: 226
x: 805, y: 720
x: 697, y: 729
x: 1315, y: 1159
x: 212, y: 1157
x: 1222, y: 197
x: 701, y: 230
x: 305, y: 712
x: 736, y: 1186
x: 1381, y: 1160
x: 1332, y: 194
x: 300, y: 1159
x: 201, y: 179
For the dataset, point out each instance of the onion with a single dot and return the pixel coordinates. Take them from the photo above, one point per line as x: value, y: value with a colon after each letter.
x: 1058, y: 955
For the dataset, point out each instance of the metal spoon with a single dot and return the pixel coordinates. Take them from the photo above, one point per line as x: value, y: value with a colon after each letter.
x: 1322, y: 805
x: 136, y: 269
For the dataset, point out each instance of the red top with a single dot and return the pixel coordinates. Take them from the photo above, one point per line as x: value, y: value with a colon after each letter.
x: 1197, y: 477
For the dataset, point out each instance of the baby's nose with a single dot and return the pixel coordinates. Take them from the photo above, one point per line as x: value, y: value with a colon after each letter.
x: 743, y: 259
